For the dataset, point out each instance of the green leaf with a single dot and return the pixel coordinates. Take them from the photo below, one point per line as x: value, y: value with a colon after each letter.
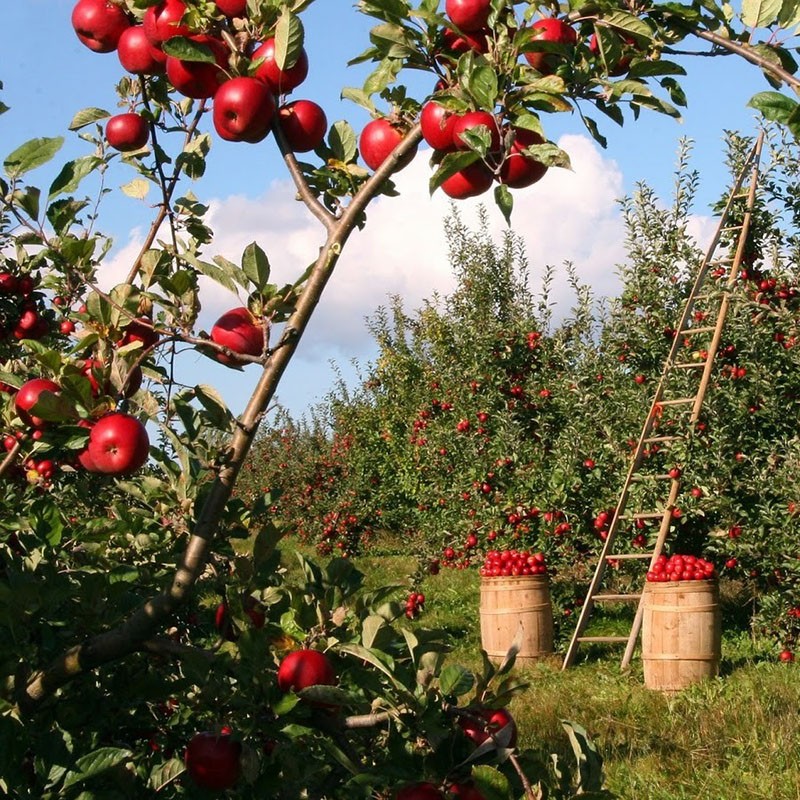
x: 95, y: 763
x: 255, y: 265
x: 490, y: 782
x: 53, y: 407
x: 391, y: 40
x: 384, y: 75
x: 623, y: 21
x: 137, y: 188
x: 359, y: 97
x: 213, y: 403
x: 647, y: 69
x: 342, y: 141
x: 62, y: 213
x: 289, y: 35
x: 760, y: 13
x: 482, y: 85
x: 185, y: 49
x: 47, y: 523
x: 504, y: 201
x: 370, y: 628
x: 28, y: 200
x: 451, y: 163
x: 371, y: 657
x: 789, y: 16
x: 32, y: 154
x: 774, y: 106
x: 590, y: 762
x: 456, y: 680
x: 164, y: 774
x: 72, y: 173
x: 225, y: 273
x: 87, y: 116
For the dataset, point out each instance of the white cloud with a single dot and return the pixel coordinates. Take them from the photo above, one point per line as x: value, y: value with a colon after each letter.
x: 568, y: 216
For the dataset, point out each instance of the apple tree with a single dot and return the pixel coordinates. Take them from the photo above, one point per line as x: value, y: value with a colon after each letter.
x: 121, y: 534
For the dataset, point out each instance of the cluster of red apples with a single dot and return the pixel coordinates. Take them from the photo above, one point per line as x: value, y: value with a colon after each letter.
x: 681, y: 568
x: 245, y: 104
x: 22, y: 313
x: 245, y: 82
x: 512, y: 563
x: 479, y: 725
x: 118, y: 443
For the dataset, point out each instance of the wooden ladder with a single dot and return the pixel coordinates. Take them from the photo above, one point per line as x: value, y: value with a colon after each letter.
x: 665, y: 398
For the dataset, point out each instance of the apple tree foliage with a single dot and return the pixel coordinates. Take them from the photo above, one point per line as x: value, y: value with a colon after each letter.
x: 110, y: 662
x: 484, y: 422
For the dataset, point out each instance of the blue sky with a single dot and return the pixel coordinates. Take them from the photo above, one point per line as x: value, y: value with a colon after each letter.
x: 48, y: 75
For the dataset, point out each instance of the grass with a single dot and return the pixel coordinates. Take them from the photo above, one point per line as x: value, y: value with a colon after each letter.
x: 732, y: 738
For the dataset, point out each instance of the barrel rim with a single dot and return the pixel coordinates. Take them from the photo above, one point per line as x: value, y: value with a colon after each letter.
x: 493, y: 581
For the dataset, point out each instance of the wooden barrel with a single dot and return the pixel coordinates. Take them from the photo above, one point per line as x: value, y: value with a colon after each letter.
x: 510, y: 605
x: 681, y: 633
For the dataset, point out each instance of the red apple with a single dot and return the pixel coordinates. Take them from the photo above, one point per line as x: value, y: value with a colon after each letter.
x: 127, y: 132
x: 419, y: 791
x: 94, y: 370
x: 27, y: 397
x: 554, y: 31
x: 239, y: 331
x: 9, y: 284
x: 138, y: 55
x: 232, y: 8
x: 465, y: 791
x: 243, y: 110
x: 139, y: 330
x: 458, y: 43
x: 490, y: 722
x: 83, y: 458
x: 280, y: 80
x: 786, y: 656
x: 304, y: 125
x: 468, y: 15
x: 213, y: 761
x: 377, y: 141
x: 303, y: 668
x: 472, y: 120
x: 519, y: 170
x: 471, y: 181
x: 199, y: 79
x: 163, y: 21
x: 621, y: 67
x: 437, y: 126
x: 118, y: 444
x: 99, y: 24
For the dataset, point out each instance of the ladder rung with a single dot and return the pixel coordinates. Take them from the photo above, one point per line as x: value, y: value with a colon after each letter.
x: 691, y: 365
x: 630, y: 556
x: 679, y: 401
x: 644, y: 515
x: 603, y: 639
x: 704, y: 329
x: 703, y: 297
x: 640, y: 478
x: 731, y: 228
x: 721, y: 262
x: 617, y: 598
x: 651, y: 439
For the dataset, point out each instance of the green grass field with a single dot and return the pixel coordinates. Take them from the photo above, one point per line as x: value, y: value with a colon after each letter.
x: 733, y: 738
